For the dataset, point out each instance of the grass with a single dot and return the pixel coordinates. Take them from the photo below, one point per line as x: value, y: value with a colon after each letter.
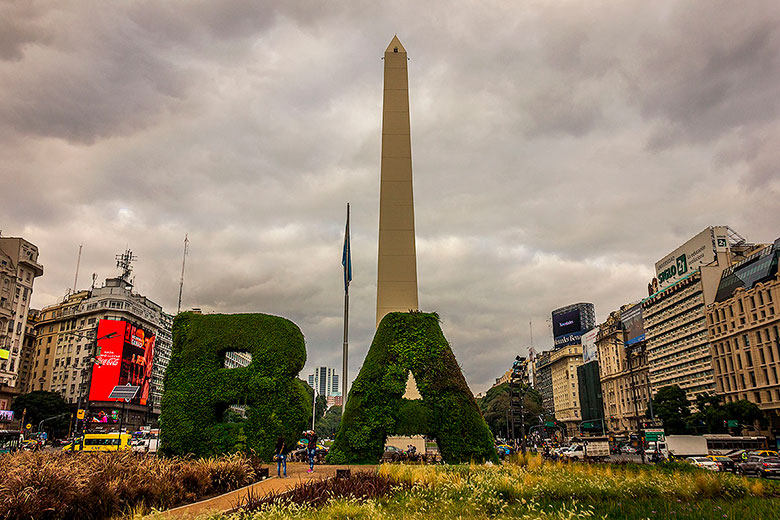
x: 527, y: 488
x: 53, y: 486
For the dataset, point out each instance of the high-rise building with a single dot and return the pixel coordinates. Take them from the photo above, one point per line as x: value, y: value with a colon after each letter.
x: 543, y: 381
x: 18, y: 269
x: 744, y: 332
x: 563, y: 371
x: 571, y: 322
x: 325, y: 380
x: 67, y: 333
x: 686, y: 281
x: 28, y: 351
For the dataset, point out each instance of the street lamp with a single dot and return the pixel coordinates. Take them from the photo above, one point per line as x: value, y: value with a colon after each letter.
x: 92, y: 360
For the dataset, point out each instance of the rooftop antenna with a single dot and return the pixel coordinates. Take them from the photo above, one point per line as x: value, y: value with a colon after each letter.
x: 183, y: 261
x: 78, y: 263
x: 124, y: 261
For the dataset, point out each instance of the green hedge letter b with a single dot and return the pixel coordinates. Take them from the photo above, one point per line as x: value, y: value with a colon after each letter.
x: 270, y: 400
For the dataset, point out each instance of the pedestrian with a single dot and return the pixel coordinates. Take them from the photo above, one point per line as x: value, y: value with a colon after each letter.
x: 281, y: 457
x: 312, y: 447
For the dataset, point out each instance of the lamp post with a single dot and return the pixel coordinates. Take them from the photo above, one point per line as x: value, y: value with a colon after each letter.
x: 92, y: 360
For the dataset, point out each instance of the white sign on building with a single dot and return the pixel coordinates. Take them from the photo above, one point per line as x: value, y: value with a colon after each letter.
x: 589, y: 351
x: 696, y: 252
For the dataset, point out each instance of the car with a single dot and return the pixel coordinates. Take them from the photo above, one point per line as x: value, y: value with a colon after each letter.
x: 724, y: 463
x: 764, y: 453
x: 765, y: 467
x: 703, y: 462
x: 575, y: 452
x: 629, y: 450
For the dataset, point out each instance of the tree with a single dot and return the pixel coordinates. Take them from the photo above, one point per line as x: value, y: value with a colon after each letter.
x: 710, y: 415
x: 327, y: 426
x: 41, y: 405
x: 671, y: 406
x: 495, y: 405
x: 320, y: 407
x: 745, y: 412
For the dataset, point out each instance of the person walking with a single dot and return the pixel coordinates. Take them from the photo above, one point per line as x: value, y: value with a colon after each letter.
x: 312, y: 448
x: 281, y: 457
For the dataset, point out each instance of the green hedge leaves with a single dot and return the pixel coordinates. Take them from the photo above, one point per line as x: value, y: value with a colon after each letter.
x: 376, y: 408
x: 198, y: 389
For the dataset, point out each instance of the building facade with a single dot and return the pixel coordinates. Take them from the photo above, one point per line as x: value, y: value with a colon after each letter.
x: 19, y: 268
x: 687, y: 279
x: 744, y: 331
x: 625, y: 383
x: 66, y: 334
x: 28, y: 351
x: 563, y: 371
x: 325, y: 380
x: 543, y: 382
x: 591, y: 401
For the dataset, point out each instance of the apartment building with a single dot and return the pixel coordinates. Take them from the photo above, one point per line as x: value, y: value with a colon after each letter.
x: 563, y: 372
x: 744, y: 331
x: 687, y: 279
x: 19, y: 268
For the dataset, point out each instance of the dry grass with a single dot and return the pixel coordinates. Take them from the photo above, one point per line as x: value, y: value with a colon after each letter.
x: 53, y: 486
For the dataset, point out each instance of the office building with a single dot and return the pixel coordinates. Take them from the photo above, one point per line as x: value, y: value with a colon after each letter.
x: 563, y: 370
x: 66, y: 334
x: 19, y: 268
x: 687, y: 279
x: 624, y: 373
x: 744, y: 332
x: 325, y: 380
x: 543, y: 381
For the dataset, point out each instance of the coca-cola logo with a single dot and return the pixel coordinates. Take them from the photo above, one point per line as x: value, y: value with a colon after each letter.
x: 110, y: 361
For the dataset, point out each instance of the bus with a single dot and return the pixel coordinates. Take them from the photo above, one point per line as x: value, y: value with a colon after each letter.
x: 723, y: 444
x: 10, y: 441
x: 100, y: 442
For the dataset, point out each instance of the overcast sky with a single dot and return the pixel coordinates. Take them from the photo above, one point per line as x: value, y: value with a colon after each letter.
x: 559, y: 149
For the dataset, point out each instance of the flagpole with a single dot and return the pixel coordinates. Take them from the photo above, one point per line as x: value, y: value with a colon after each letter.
x: 347, y: 278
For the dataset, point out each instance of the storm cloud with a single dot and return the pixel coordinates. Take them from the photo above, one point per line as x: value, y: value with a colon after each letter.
x: 559, y: 150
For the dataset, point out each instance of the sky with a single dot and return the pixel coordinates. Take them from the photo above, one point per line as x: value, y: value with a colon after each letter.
x: 559, y: 149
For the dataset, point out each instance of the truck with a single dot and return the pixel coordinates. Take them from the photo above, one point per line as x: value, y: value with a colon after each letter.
x: 596, y: 448
x: 681, y: 446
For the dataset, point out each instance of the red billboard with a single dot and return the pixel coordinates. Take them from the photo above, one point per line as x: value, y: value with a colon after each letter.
x: 124, y: 359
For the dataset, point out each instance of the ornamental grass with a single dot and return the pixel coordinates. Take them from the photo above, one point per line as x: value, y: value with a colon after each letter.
x: 529, y: 488
x: 53, y: 486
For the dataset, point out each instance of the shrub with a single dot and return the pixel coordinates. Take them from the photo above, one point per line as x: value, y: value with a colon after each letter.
x: 375, y: 408
x: 198, y: 389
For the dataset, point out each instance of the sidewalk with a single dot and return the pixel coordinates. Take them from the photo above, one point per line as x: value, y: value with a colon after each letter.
x: 296, y: 472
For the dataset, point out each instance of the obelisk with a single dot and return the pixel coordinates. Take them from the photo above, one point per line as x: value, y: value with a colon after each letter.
x: 397, y: 270
x: 396, y: 286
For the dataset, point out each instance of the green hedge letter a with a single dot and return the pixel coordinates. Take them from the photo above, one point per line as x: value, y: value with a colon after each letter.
x: 411, y: 342
x: 199, y: 390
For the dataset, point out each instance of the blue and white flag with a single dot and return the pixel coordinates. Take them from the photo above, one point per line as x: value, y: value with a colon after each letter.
x: 346, y: 257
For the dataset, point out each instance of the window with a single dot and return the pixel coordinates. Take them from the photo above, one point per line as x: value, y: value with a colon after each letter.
x: 746, y: 340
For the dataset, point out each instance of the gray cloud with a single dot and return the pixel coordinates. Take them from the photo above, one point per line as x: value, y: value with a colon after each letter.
x: 559, y: 151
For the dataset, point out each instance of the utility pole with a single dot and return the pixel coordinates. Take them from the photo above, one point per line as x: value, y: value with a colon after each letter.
x: 183, y: 261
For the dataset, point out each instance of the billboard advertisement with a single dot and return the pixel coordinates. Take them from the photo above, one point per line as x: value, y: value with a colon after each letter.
x: 633, y: 324
x: 124, y: 359
x: 566, y: 323
x: 589, y: 352
x: 696, y: 252
x: 6, y: 415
